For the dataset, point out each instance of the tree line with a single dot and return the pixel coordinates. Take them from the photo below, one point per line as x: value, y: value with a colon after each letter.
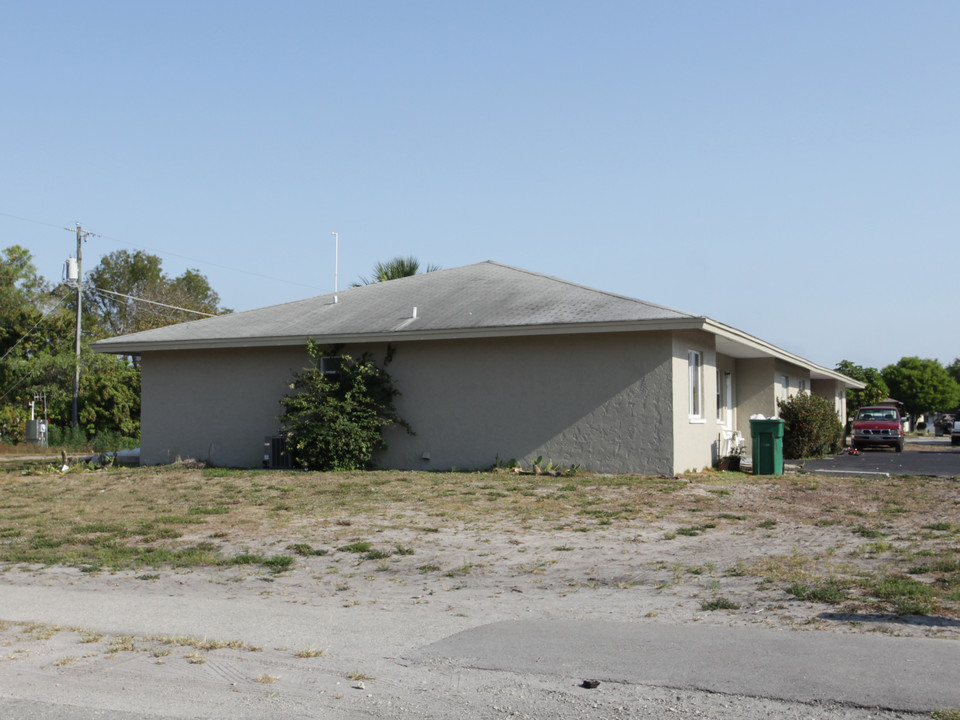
x: 38, y: 336
x: 921, y: 385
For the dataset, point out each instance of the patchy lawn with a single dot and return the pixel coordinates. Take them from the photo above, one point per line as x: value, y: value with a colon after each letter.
x: 861, y: 546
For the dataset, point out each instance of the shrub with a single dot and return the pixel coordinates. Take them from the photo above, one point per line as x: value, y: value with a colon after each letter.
x: 336, y: 419
x: 75, y: 439
x: 811, y: 427
x: 108, y: 441
x: 72, y: 438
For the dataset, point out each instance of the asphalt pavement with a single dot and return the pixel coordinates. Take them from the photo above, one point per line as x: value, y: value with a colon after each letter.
x: 937, y: 458
x: 895, y: 673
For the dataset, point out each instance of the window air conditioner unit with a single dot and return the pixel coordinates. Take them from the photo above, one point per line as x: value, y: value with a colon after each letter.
x: 330, y: 367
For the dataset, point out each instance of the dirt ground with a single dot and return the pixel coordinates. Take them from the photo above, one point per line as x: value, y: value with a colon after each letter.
x: 329, y: 635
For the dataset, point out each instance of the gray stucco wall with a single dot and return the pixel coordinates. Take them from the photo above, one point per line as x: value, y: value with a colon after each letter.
x: 759, y: 385
x: 834, y: 392
x: 695, y: 440
x: 755, y: 393
x: 795, y: 376
x: 601, y: 401
x: 213, y: 405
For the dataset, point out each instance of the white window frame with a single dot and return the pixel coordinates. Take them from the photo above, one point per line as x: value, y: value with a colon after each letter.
x: 695, y: 385
x: 724, y: 396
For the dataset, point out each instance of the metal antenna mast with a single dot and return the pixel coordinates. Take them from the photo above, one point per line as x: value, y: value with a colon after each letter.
x: 336, y: 267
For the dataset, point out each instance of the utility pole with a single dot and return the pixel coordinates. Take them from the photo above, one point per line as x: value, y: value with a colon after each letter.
x: 82, y: 235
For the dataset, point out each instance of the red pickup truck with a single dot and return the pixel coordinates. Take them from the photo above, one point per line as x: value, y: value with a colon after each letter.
x: 877, y: 426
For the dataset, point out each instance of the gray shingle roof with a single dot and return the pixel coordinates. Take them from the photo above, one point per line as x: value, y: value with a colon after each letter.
x: 475, y: 300
x: 483, y: 296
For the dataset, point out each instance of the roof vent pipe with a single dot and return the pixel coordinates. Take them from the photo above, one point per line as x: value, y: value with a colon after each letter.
x: 414, y: 312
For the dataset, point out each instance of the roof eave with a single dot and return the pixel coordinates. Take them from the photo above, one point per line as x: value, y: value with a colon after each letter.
x: 117, y: 346
x: 753, y: 345
x: 763, y: 348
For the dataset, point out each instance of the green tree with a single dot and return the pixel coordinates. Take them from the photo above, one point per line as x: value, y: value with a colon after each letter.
x: 192, y: 290
x: 398, y: 267
x: 35, y: 329
x: 37, y: 338
x: 24, y: 299
x: 875, y: 391
x: 953, y: 369
x: 109, y: 396
x: 140, y: 275
x: 137, y: 274
x: 336, y: 418
x: 922, y: 385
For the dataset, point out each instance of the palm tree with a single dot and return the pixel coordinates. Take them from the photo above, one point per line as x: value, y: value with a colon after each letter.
x: 399, y: 267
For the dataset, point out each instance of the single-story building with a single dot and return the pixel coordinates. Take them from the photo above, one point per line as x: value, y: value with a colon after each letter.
x: 492, y: 361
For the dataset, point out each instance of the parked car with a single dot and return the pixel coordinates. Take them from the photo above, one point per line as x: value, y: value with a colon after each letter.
x: 879, y: 426
x: 955, y: 433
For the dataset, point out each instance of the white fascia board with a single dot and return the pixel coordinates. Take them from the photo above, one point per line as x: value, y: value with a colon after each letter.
x: 115, y: 347
x: 764, y: 348
x: 755, y: 346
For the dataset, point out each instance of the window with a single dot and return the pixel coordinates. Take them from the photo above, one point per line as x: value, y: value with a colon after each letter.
x: 803, y: 386
x: 695, y: 370
x: 784, y: 388
x: 720, y: 402
x: 724, y: 397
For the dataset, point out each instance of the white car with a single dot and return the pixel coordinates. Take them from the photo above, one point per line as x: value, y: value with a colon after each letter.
x: 955, y: 434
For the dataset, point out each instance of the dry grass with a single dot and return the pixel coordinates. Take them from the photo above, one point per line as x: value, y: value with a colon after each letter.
x: 158, y: 646
x: 157, y: 516
x: 902, y: 531
x: 308, y: 653
x: 174, y: 508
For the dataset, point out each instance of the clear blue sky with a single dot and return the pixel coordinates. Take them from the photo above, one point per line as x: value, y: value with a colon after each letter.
x: 790, y: 169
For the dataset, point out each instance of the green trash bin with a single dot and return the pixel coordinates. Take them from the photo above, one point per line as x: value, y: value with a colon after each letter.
x: 767, y: 436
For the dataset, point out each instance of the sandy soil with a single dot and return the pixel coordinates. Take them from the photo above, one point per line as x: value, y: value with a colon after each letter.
x: 335, y: 632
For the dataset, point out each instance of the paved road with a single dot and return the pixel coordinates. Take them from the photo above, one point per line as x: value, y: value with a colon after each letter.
x: 906, y: 674
x: 937, y: 459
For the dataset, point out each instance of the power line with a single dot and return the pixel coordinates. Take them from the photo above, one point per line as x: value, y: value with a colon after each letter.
x: 211, y: 263
x: 27, y: 334
x: 153, y: 302
x: 173, y: 254
x: 18, y: 382
x: 34, y: 367
x: 35, y: 222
